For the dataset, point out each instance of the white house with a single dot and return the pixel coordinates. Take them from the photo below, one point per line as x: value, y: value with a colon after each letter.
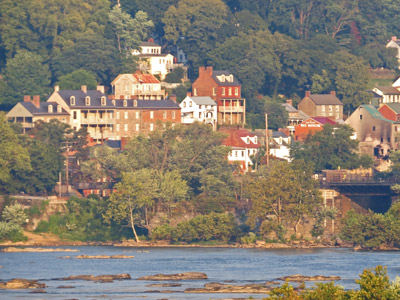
x: 280, y: 146
x: 199, y: 109
x: 395, y: 43
x: 151, y: 59
x: 244, y: 145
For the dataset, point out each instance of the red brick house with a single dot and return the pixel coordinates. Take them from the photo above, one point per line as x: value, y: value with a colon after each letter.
x: 390, y: 111
x: 225, y: 89
x: 311, y: 126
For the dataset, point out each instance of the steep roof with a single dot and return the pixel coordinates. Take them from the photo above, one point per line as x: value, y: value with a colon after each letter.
x: 216, y: 74
x: 203, y: 100
x: 95, y: 98
x: 289, y: 108
x: 235, y: 136
x: 145, y: 78
x: 150, y: 104
x: 43, y: 109
x: 277, y: 134
x: 394, y: 106
x: 388, y: 90
x: 375, y: 113
x: 328, y: 99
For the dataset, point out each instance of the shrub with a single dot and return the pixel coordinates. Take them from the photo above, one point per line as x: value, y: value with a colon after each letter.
x: 11, y: 232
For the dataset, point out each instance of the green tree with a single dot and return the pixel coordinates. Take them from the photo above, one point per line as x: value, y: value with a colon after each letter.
x: 285, y: 199
x: 14, y: 214
x: 374, y: 285
x: 321, y: 83
x: 330, y: 149
x: 277, y: 114
x: 13, y: 155
x: 133, y: 197
x: 171, y: 190
x: 25, y: 74
x: 74, y: 80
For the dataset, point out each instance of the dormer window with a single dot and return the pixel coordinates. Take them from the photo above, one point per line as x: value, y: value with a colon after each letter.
x: 248, y: 140
x: 135, y: 103
x: 103, y: 101
x: 222, y: 78
x: 255, y: 140
x: 125, y: 103
x: 230, y: 78
x: 87, y: 100
x: 72, y: 100
x: 50, y: 108
x: 113, y: 102
x: 59, y: 108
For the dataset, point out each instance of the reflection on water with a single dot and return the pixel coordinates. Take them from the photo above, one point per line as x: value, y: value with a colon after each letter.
x: 240, y: 266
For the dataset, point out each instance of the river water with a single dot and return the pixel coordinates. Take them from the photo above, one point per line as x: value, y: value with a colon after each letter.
x: 236, y: 265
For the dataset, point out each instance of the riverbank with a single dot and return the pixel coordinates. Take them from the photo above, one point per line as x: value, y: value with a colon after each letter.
x: 51, y: 240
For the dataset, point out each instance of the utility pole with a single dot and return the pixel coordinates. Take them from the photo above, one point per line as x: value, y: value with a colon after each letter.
x: 266, y: 139
x: 67, y: 168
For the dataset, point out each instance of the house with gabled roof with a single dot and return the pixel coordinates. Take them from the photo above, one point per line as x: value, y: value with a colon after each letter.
x: 137, y: 86
x: 243, y: 145
x: 395, y: 44
x: 201, y: 109
x: 223, y: 87
x: 295, y: 116
x: 387, y: 94
x: 31, y: 110
x: 322, y: 105
x: 390, y: 111
x: 377, y: 135
x: 311, y: 126
x: 280, y: 145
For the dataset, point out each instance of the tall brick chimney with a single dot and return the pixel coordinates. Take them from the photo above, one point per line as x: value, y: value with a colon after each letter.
x: 27, y: 98
x: 205, y: 70
x: 100, y: 88
x: 36, y: 101
x: 84, y: 88
x: 173, y: 97
x: 333, y: 93
x: 56, y: 88
x: 308, y: 93
x: 189, y: 94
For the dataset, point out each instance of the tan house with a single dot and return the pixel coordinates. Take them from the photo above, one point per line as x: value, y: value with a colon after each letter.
x: 137, y: 86
x: 31, y: 110
x: 325, y: 105
x: 395, y: 44
x: 376, y: 134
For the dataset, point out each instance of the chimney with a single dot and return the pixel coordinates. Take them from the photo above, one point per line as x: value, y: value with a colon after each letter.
x: 333, y: 93
x: 394, y: 38
x: 205, y: 70
x: 36, y: 101
x: 150, y: 40
x: 290, y: 102
x: 173, y: 97
x: 189, y: 94
x: 308, y: 93
x: 100, y: 88
x: 27, y: 98
x: 84, y: 88
x: 56, y: 88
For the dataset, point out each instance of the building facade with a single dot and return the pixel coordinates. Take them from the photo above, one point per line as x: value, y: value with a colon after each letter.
x: 316, y: 105
x: 199, y: 109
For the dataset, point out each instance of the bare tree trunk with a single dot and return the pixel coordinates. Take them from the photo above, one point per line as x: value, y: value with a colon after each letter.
x: 133, y: 227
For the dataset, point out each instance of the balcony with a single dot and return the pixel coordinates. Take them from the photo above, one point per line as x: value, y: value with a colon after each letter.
x: 97, y: 121
x: 231, y: 109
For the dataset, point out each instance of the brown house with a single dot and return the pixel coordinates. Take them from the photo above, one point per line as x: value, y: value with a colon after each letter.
x: 225, y: 89
x: 317, y: 105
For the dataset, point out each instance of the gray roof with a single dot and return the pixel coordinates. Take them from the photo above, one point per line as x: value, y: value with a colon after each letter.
x: 95, y: 98
x: 235, y: 82
x: 203, y: 100
x: 388, y: 90
x: 151, y: 104
x: 149, y: 44
x: 43, y: 109
x: 289, y: 108
x: 277, y: 134
x: 325, y: 99
x: 394, y: 106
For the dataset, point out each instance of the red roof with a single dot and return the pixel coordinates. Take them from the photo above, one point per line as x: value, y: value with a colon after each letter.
x: 324, y: 120
x: 145, y: 78
x: 235, y: 136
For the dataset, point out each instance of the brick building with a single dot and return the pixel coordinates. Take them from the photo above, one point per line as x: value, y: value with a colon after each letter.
x: 310, y: 126
x: 225, y: 89
x: 316, y: 105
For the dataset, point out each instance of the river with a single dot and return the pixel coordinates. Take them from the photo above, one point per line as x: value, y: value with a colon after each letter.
x: 236, y: 265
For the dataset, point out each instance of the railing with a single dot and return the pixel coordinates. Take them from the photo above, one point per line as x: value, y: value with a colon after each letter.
x: 97, y: 121
x: 228, y: 109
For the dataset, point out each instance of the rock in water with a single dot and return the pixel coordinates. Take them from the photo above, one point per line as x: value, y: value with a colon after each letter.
x: 178, y: 276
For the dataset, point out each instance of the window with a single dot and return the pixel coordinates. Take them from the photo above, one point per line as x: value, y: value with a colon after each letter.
x: 126, y: 115
x: 242, y: 153
x: 151, y: 126
x: 59, y: 108
x: 126, y: 127
x: 373, y: 128
x: 360, y: 117
x: 137, y: 127
x: 117, y: 115
x: 184, y: 104
x: 337, y: 108
x: 125, y: 103
x: 173, y: 115
x: 117, y: 127
x: 190, y: 104
x: 72, y: 100
x: 50, y: 108
x: 135, y: 103
x: 152, y: 115
x: 113, y: 102
x: 87, y: 100
x: 382, y: 141
x: 103, y: 101
x: 330, y: 107
x: 164, y: 114
x: 236, y: 91
x: 214, y: 91
x: 236, y: 153
x: 223, y: 91
x: 74, y: 115
x: 194, y: 92
x: 230, y: 91
x: 137, y: 115
x: 199, y: 115
x: 388, y: 139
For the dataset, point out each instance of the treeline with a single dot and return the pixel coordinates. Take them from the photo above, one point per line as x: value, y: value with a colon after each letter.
x: 273, y: 47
